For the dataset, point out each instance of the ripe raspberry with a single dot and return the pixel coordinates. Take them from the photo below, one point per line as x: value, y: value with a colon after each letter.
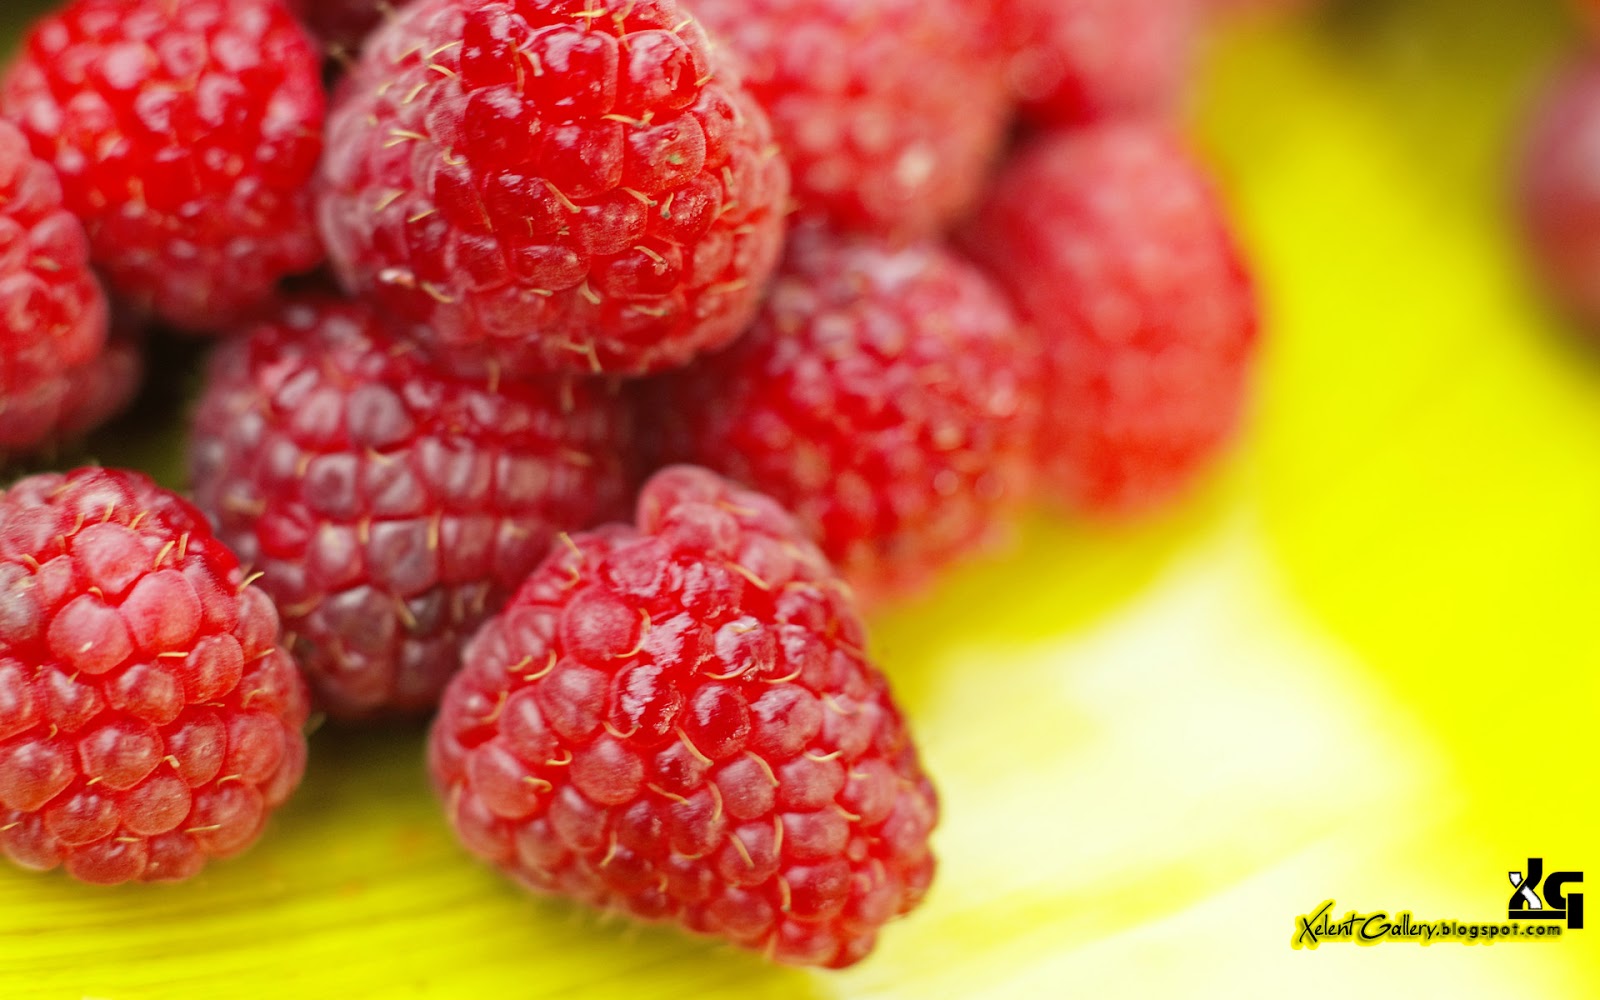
x: 73, y: 403
x: 890, y: 113
x: 677, y: 721
x: 1111, y: 240
x: 551, y: 186
x: 53, y: 315
x: 148, y: 718
x: 186, y: 136
x: 888, y: 398
x: 1560, y: 190
x: 343, y: 24
x: 391, y: 507
x: 1079, y: 61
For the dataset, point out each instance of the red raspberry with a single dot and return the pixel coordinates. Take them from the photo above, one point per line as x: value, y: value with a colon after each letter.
x: 552, y: 186
x: 890, y: 113
x: 677, y: 721
x: 186, y: 136
x: 74, y: 403
x: 888, y: 398
x: 391, y: 507
x: 53, y: 315
x: 1112, y: 241
x: 343, y: 24
x: 1078, y: 61
x: 1560, y: 190
x: 148, y: 718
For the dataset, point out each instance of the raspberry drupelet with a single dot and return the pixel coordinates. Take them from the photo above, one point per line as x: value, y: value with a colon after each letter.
x: 543, y: 186
x: 676, y: 720
x: 391, y: 507
x: 888, y: 398
x: 890, y: 113
x: 58, y: 377
x: 186, y: 136
x: 1113, y: 245
x: 149, y: 720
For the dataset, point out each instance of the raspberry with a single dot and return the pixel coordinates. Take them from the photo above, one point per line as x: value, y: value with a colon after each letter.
x: 391, y: 507
x: 1078, y: 61
x: 887, y: 397
x: 148, y: 718
x: 343, y: 24
x: 73, y: 403
x: 890, y: 113
x: 186, y: 136
x: 676, y: 721
x: 1560, y: 190
x: 1112, y: 241
x: 53, y: 315
x: 543, y: 185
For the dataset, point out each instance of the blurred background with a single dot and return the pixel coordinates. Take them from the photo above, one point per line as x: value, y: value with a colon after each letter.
x: 1360, y: 665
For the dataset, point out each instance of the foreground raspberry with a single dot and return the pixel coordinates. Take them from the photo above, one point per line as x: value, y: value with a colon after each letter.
x: 186, y: 136
x: 890, y: 113
x: 1112, y: 242
x: 148, y: 719
x: 1078, y: 61
x: 1560, y: 190
x: 53, y: 315
x: 391, y: 507
x: 677, y: 721
x: 888, y: 398
x: 542, y: 185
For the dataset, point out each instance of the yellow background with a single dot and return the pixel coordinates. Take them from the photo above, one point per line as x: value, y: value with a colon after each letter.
x: 1361, y: 664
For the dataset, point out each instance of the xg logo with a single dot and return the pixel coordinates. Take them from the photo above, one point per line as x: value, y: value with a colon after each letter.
x: 1525, y: 902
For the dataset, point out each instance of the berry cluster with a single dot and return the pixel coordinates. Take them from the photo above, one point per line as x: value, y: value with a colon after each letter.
x: 473, y: 280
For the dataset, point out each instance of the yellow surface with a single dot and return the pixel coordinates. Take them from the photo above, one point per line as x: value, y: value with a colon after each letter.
x: 1361, y: 665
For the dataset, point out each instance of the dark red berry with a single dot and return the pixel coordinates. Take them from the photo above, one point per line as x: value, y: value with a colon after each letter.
x: 889, y: 398
x: 149, y: 720
x: 540, y: 185
x: 676, y: 720
x: 390, y: 506
x: 1113, y: 244
x: 343, y: 25
x: 186, y: 136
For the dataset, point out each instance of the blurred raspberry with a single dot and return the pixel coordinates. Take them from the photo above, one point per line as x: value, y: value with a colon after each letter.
x: 391, y: 507
x: 890, y: 113
x: 1112, y: 242
x: 56, y: 376
x: 887, y: 397
x: 676, y: 721
x: 186, y: 136
x: 1560, y: 190
x: 536, y: 187
x: 1079, y: 61
x: 149, y: 721
x: 343, y: 25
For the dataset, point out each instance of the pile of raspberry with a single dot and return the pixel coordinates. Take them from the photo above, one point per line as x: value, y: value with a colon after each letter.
x: 579, y: 374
